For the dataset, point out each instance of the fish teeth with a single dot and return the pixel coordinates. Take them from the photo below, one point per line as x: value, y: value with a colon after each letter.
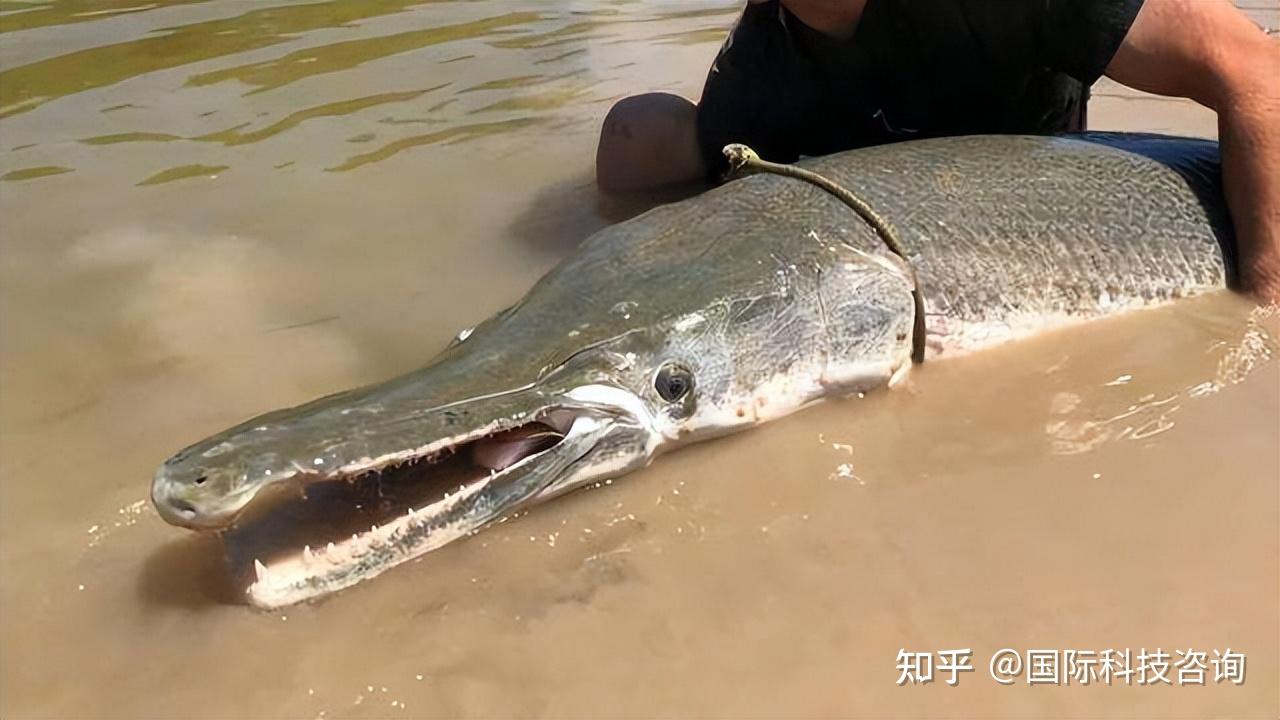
x: 259, y: 569
x: 307, y: 556
x: 328, y: 550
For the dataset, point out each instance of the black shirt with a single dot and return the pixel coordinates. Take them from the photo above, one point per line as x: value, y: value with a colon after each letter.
x: 913, y: 69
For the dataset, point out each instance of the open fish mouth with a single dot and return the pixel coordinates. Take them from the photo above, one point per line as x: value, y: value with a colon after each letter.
x: 321, y: 533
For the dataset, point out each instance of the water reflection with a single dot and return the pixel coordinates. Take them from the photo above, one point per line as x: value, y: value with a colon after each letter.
x: 340, y: 56
x: 128, y: 137
x: 29, y: 15
x: 183, y: 172
x: 233, y: 136
x: 32, y: 173
x: 573, y: 32
x: 488, y: 74
x: 459, y: 133
x: 26, y: 87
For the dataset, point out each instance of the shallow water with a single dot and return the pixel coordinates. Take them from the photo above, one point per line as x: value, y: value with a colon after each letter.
x: 212, y: 208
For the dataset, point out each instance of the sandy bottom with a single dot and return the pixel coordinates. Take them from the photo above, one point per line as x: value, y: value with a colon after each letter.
x: 212, y: 209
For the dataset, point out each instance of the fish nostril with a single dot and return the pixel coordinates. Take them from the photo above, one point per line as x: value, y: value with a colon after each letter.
x: 201, y: 480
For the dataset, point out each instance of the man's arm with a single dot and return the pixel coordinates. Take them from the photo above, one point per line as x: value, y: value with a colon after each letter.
x: 1208, y: 51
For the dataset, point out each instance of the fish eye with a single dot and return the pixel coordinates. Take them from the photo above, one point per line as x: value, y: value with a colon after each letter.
x: 673, y: 382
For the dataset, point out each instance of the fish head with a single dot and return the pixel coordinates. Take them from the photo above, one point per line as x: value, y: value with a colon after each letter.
x: 326, y: 494
x: 626, y: 351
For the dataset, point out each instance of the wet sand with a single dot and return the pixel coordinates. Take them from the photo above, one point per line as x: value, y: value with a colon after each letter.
x: 212, y: 209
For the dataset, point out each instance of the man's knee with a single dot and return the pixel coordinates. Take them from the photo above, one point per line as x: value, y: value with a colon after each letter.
x: 647, y: 141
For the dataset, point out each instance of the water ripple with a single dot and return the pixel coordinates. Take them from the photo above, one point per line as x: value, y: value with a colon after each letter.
x: 451, y: 135
x: 340, y: 56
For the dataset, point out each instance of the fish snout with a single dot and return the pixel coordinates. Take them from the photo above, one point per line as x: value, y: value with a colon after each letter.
x: 183, y: 499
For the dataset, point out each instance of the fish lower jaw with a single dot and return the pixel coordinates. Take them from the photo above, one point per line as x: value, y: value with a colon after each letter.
x: 301, y: 574
x: 312, y: 572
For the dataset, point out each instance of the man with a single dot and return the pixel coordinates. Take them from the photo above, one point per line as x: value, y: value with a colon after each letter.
x: 810, y: 77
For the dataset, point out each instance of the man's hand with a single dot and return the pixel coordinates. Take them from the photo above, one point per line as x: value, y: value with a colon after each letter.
x: 1208, y: 51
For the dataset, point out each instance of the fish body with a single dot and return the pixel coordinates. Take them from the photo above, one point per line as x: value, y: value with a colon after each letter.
x: 705, y: 317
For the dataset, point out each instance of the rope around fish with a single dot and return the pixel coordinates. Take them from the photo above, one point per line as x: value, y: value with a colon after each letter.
x: 742, y: 158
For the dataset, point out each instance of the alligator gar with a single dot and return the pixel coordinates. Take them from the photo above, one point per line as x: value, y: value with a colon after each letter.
x: 701, y: 318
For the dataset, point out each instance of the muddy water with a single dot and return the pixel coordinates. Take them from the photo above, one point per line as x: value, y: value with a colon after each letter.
x: 214, y: 208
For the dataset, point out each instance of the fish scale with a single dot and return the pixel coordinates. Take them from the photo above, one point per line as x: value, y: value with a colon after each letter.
x: 1056, y: 228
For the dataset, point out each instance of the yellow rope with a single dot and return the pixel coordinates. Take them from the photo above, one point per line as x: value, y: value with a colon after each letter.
x: 742, y: 158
